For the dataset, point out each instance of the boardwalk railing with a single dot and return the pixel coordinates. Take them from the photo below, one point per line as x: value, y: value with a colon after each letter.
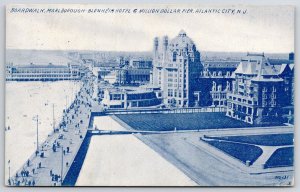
x: 169, y: 110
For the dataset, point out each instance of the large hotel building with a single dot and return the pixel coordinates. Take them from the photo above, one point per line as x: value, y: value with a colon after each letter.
x: 176, y: 66
x: 260, y: 90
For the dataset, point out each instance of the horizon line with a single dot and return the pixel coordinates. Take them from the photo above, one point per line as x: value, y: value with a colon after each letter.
x: 146, y: 51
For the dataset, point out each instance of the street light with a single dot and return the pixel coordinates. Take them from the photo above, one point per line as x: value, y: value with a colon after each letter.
x: 36, y: 118
x: 62, y: 165
x: 8, y: 172
x: 53, y: 123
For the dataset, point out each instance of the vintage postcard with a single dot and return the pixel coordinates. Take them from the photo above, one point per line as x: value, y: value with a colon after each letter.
x: 149, y: 95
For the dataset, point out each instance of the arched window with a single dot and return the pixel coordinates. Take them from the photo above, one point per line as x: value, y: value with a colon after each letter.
x: 174, y: 56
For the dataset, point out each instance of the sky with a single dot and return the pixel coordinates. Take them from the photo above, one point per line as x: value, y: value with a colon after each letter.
x: 262, y: 29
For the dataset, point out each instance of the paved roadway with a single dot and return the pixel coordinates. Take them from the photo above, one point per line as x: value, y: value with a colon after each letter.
x: 56, y: 163
x: 208, y: 167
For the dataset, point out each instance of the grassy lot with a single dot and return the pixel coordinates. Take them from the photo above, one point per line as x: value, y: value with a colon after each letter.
x: 182, y: 121
x: 282, y: 157
x: 243, y: 152
x: 266, y: 140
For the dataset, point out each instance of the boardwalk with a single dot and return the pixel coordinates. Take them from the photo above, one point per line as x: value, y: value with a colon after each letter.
x: 49, y: 166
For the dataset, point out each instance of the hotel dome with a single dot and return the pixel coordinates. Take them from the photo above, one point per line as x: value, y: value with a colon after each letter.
x: 182, y: 41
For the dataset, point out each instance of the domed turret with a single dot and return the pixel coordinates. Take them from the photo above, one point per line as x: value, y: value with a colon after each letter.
x: 181, y: 41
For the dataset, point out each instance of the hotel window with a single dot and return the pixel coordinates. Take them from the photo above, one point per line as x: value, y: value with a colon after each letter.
x: 174, y: 56
x: 184, y: 93
x: 273, y: 103
x: 265, y: 89
x: 170, y: 92
x: 265, y: 96
x: 264, y: 103
x: 249, y: 111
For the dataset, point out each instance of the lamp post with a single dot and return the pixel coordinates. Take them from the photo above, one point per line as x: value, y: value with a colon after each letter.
x: 36, y: 118
x: 8, y: 172
x: 62, y: 165
x: 53, y: 123
x: 66, y: 102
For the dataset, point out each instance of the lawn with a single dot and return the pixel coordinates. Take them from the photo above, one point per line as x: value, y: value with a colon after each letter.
x: 266, y: 140
x: 282, y: 157
x: 243, y: 152
x: 180, y: 121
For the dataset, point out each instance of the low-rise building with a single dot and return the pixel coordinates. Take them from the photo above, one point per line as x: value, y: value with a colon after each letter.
x: 117, y: 98
x: 48, y: 72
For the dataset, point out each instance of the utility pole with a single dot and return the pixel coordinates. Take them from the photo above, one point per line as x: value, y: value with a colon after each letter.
x: 53, y: 123
x: 37, y: 132
x: 9, y: 171
x: 66, y: 102
x: 62, y: 165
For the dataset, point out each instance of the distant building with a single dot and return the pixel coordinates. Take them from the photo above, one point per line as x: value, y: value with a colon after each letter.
x: 258, y: 91
x: 140, y: 63
x: 176, y: 66
x: 111, y: 77
x: 48, y: 72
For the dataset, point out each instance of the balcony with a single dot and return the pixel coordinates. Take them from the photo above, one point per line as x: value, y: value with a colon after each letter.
x: 171, y: 66
x: 240, y: 99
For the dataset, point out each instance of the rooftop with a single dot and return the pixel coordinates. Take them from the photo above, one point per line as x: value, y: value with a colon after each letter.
x: 258, y: 66
x: 42, y: 66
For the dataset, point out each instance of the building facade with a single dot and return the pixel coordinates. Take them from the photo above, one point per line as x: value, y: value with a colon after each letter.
x: 128, y: 99
x: 214, y: 83
x: 134, y: 72
x: 176, y: 66
x: 48, y: 72
x: 258, y: 91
